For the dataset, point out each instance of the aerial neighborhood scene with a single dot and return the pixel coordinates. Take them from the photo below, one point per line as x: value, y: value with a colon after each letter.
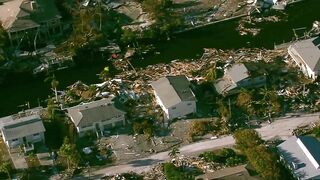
x: 160, y: 89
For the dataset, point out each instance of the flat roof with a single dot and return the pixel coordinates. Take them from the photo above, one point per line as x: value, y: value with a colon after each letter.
x: 294, y: 154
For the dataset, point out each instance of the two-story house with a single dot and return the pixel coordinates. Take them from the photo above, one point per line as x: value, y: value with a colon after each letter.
x: 174, y: 95
x: 17, y: 130
x: 306, y: 54
x: 96, y: 116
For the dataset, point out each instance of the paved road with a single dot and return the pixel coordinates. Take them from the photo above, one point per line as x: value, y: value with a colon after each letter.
x: 281, y: 128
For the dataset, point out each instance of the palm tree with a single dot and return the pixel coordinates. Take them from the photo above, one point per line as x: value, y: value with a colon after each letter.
x: 174, y: 152
x: 54, y: 85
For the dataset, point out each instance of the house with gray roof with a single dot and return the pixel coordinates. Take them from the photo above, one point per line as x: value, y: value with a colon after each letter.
x: 306, y: 54
x: 174, y: 95
x: 236, y: 77
x: 302, y: 156
x: 17, y: 130
x: 96, y: 116
x: 33, y: 18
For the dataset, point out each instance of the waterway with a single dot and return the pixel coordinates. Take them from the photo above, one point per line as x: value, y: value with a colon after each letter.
x: 20, y: 89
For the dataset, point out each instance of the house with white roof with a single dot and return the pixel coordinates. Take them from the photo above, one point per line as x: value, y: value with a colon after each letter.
x: 174, y: 95
x: 96, y: 116
x: 302, y: 156
x: 306, y: 54
x: 236, y: 77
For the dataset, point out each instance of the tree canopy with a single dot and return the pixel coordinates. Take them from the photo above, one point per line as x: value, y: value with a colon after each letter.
x: 247, y: 138
x: 70, y: 152
x: 3, y: 41
x: 264, y: 162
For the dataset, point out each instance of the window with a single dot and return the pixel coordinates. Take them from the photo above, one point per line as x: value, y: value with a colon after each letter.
x: 14, y: 140
x: 189, y: 104
x: 173, y: 108
x: 37, y: 134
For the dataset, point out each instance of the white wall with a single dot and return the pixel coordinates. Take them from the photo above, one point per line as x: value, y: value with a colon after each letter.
x: 30, y: 139
x: 301, y: 63
x: 165, y: 110
x: 112, y: 121
x: 182, y: 109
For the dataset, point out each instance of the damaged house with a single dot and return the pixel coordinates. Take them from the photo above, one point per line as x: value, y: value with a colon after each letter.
x: 306, y: 54
x: 236, y: 77
x: 96, y: 116
x: 174, y: 95
x: 33, y: 19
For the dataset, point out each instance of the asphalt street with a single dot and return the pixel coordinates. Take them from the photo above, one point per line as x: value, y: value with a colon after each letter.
x: 280, y: 128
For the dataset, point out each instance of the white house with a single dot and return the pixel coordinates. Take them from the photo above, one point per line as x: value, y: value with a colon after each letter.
x: 174, y: 96
x: 302, y: 156
x: 306, y: 54
x: 19, y: 130
x: 96, y: 116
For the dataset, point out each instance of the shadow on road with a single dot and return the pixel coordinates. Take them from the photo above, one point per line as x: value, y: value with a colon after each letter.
x: 144, y: 162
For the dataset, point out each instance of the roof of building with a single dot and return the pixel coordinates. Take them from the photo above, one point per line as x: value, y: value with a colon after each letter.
x: 95, y: 111
x: 309, y: 50
x: 16, y: 15
x: 232, y: 76
x: 238, y: 72
x: 22, y: 127
x: 230, y: 173
x: 173, y: 90
x: 19, y: 115
x: 302, y: 155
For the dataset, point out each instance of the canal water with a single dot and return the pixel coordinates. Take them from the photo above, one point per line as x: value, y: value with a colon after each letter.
x: 20, y: 89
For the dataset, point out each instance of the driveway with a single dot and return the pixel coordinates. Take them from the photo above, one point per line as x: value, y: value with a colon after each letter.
x: 19, y: 161
x: 281, y: 128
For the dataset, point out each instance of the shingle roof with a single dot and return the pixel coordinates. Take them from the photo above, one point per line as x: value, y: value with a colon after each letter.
x: 294, y: 153
x: 22, y: 127
x: 92, y: 112
x: 173, y: 90
x: 309, y: 50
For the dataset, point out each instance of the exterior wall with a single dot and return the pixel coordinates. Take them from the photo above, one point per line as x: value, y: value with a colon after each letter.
x: 29, y: 139
x: 252, y: 82
x: 165, y: 110
x: 182, y: 109
x: 301, y: 63
x: 109, y: 123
